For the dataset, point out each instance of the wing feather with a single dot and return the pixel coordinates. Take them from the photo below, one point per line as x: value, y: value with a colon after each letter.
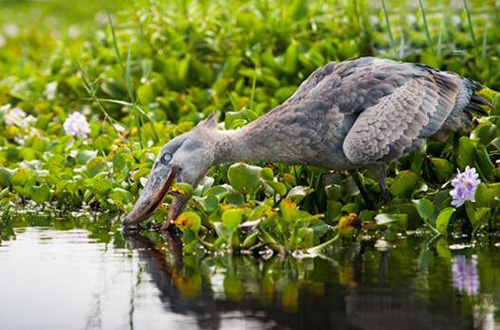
x: 384, y: 131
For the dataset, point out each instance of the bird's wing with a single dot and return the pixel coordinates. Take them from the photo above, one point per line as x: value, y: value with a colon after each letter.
x: 312, y: 81
x: 400, y: 120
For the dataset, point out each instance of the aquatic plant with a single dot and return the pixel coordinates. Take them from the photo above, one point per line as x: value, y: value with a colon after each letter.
x: 148, y: 74
x: 76, y: 125
x: 464, y: 186
x: 16, y: 116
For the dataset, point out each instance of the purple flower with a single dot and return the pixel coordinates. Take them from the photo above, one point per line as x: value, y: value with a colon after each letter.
x: 465, y: 276
x: 465, y: 185
x: 16, y: 116
x: 76, y: 125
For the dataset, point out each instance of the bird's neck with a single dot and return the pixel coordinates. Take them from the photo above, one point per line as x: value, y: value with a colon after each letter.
x: 259, y: 141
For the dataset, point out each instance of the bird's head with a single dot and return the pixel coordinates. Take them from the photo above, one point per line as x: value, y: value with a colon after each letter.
x: 187, y: 158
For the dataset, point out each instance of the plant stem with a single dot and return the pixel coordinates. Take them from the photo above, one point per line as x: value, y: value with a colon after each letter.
x: 429, y: 40
x: 471, y: 28
x: 391, y: 37
x: 319, y: 248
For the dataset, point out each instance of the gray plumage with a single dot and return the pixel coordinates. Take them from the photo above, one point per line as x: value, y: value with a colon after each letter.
x: 358, y: 113
x: 361, y: 113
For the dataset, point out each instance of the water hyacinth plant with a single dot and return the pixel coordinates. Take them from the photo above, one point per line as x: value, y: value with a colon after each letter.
x: 16, y: 116
x: 464, y: 186
x: 148, y: 75
x: 76, y: 125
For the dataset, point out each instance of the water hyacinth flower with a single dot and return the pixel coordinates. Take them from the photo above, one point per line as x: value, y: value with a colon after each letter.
x: 16, y: 116
x: 465, y: 185
x: 51, y: 90
x: 76, y: 125
x: 465, y: 276
x: 11, y: 30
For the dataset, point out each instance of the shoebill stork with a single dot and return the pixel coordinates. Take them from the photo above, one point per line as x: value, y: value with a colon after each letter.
x: 361, y: 113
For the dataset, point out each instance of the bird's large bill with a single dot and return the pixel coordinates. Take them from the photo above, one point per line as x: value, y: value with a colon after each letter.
x: 159, y: 182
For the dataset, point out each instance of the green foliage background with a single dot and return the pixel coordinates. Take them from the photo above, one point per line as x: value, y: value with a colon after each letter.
x: 152, y: 69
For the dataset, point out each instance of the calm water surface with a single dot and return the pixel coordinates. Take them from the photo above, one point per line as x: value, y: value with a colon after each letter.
x: 54, y: 279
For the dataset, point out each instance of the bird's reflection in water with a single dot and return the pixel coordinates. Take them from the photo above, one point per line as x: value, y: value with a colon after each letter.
x: 360, y: 290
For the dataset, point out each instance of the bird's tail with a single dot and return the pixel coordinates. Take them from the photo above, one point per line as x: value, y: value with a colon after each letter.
x: 476, y: 100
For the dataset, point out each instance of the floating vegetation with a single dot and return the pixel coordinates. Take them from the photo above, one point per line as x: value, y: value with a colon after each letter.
x: 82, y: 126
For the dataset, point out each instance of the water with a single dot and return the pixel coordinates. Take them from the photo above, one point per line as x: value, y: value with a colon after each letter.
x: 75, y: 279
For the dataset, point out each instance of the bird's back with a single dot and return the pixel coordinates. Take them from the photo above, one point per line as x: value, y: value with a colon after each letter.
x: 395, y: 105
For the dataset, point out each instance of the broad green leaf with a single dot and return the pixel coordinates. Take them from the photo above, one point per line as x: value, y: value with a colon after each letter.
x: 96, y: 166
x: 291, y: 60
x: 250, y: 240
x: 21, y: 177
x: 40, y: 194
x: 484, y: 164
x: 425, y: 209
x: 486, y: 193
x: 5, y: 176
x: 86, y: 155
x: 288, y: 209
x: 183, y: 189
x: 390, y: 219
x: 466, y: 152
x: 443, y: 168
x: 404, y: 184
x: 232, y: 218
x: 215, y: 191
x: 298, y: 193
x: 443, y: 219
x: 278, y: 187
x: 333, y: 210
x: 140, y: 173
x: 333, y: 192
x: 244, y: 178
x: 99, y: 185
x: 188, y: 220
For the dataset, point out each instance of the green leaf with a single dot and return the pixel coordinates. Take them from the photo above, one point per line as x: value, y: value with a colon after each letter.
x: 145, y: 93
x: 333, y: 192
x: 5, y: 176
x: 390, y: 219
x: 21, y: 177
x: 188, y: 221
x: 267, y: 174
x: 466, y: 152
x: 288, y: 209
x: 40, y: 194
x: 486, y: 193
x: 291, y: 60
x: 140, y: 173
x: 484, y: 164
x: 425, y: 209
x: 120, y: 196
x: 232, y: 218
x: 95, y: 166
x: 250, y: 240
x: 333, y: 210
x: 86, y: 155
x: 298, y: 193
x: 404, y: 184
x: 99, y: 185
x: 183, y: 189
x: 486, y: 132
x: 443, y: 219
x: 244, y: 178
x: 444, y: 169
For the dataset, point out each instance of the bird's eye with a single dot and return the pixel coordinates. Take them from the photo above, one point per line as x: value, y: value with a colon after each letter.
x: 166, y: 158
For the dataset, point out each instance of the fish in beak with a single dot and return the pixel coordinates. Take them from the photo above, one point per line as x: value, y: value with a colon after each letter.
x: 157, y: 186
